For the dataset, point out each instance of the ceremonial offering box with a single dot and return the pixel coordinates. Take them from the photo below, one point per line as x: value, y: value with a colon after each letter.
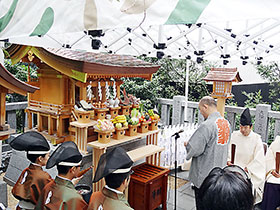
x: 100, y: 113
x: 148, y: 187
x: 143, y: 128
x: 132, y: 130
x: 124, y: 110
x: 114, y: 111
x: 83, y: 116
x: 119, y: 133
x: 153, y: 125
x: 104, y: 136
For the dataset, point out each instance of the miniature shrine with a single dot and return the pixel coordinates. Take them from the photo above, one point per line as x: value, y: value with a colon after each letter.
x: 222, y: 79
x: 10, y: 84
x: 77, y: 89
x: 81, y: 100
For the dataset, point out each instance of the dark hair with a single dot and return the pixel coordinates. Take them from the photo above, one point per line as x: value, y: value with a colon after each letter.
x: 115, y: 180
x: 226, y: 190
x: 63, y: 169
x: 33, y: 157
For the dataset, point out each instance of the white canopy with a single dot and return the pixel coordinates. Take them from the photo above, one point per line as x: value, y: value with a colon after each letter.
x: 196, y: 29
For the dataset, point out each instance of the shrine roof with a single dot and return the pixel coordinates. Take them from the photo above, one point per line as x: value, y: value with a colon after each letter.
x: 223, y: 75
x: 8, y: 81
x: 101, y: 58
x: 81, y: 65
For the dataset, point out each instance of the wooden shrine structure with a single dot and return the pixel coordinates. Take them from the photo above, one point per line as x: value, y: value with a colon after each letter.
x: 63, y: 76
x: 10, y: 84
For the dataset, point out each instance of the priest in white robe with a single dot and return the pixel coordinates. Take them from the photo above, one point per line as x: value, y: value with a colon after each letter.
x: 271, y: 196
x: 249, y: 153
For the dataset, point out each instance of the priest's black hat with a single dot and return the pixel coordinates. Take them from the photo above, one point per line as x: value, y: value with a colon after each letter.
x: 67, y: 154
x: 245, y: 118
x: 32, y: 142
x: 114, y: 161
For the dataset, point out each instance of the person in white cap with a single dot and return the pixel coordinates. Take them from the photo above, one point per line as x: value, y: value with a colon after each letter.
x: 61, y: 193
x: 32, y: 179
x: 115, y: 166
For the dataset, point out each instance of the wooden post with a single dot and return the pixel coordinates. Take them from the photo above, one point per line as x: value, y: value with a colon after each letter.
x: 50, y: 125
x: 221, y: 102
x: 2, y: 109
x: 83, y: 93
x: 39, y: 121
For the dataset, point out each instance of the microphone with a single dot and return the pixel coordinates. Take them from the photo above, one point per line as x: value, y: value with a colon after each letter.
x: 180, y: 131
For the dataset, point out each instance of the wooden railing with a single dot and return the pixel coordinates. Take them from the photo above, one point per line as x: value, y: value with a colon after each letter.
x: 54, y: 108
x: 263, y: 116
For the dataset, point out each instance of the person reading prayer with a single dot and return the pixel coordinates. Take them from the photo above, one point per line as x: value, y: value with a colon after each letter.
x: 115, y: 167
x: 271, y: 196
x: 208, y: 146
x: 32, y: 179
x: 249, y: 153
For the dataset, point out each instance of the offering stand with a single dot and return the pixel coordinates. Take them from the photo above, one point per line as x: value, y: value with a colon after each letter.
x: 151, y: 151
x: 81, y: 134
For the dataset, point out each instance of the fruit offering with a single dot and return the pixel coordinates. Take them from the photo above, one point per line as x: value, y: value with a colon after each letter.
x: 104, y: 125
x: 120, y: 121
x: 153, y: 115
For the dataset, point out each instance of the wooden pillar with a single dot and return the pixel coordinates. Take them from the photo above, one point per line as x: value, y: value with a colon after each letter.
x: 3, y: 109
x: 83, y: 92
x: 71, y: 92
x: 59, y: 126
x: 40, y: 123
x: 29, y: 117
x: 221, y: 102
x: 50, y: 125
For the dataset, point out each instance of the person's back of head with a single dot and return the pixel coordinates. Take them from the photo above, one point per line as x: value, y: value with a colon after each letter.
x: 226, y: 189
x: 207, y: 105
x: 115, y: 180
x: 208, y: 100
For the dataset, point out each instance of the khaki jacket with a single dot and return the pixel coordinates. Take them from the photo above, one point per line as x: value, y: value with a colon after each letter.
x: 60, y: 194
x: 108, y: 200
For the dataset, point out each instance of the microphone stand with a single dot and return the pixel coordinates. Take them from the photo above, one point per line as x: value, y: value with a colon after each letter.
x: 177, y: 136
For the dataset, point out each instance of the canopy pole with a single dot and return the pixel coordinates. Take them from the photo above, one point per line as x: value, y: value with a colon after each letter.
x: 186, y: 90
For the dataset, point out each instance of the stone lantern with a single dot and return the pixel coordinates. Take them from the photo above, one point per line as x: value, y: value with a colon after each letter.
x: 222, y: 79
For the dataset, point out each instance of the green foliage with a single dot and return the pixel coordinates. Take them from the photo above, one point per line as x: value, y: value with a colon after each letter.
x: 20, y: 71
x: 269, y: 72
x: 253, y: 99
x: 168, y: 81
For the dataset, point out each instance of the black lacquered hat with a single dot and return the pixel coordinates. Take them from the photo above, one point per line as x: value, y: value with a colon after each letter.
x: 67, y: 154
x: 114, y: 161
x: 32, y: 142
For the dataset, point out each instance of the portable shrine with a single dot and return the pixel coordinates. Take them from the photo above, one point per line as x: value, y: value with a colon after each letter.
x: 10, y: 84
x: 222, y: 79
